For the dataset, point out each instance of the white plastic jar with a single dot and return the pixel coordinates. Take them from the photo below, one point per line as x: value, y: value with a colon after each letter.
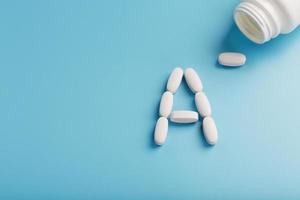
x: 262, y: 20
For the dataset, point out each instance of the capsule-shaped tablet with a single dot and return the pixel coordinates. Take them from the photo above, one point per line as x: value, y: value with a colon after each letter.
x: 166, y: 104
x: 232, y: 59
x: 184, y: 116
x: 174, y: 80
x: 202, y: 104
x: 193, y: 80
x: 210, y: 130
x: 161, y: 131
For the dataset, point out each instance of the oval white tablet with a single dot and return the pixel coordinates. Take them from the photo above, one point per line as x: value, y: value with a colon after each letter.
x: 166, y: 104
x: 161, y: 131
x: 232, y: 59
x: 184, y: 116
x: 193, y: 80
x: 210, y: 130
x: 175, y: 80
x: 202, y: 104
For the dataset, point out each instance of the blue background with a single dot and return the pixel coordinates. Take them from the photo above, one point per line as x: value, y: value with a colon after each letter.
x: 80, y: 85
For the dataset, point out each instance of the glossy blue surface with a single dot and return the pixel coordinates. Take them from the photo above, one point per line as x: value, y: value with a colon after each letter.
x: 80, y: 84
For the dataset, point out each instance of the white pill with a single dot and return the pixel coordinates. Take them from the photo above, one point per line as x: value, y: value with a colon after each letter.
x: 184, y: 116
x: 161, y: 131
x: 202, y: 104
x: 174, y: 80
x: 166, y: 104
x: 210, y: 130
x: 232, y: 59
x: 193, y: 80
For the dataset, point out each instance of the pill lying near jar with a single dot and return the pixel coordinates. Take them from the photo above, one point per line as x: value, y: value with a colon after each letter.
x: 232, y: 59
